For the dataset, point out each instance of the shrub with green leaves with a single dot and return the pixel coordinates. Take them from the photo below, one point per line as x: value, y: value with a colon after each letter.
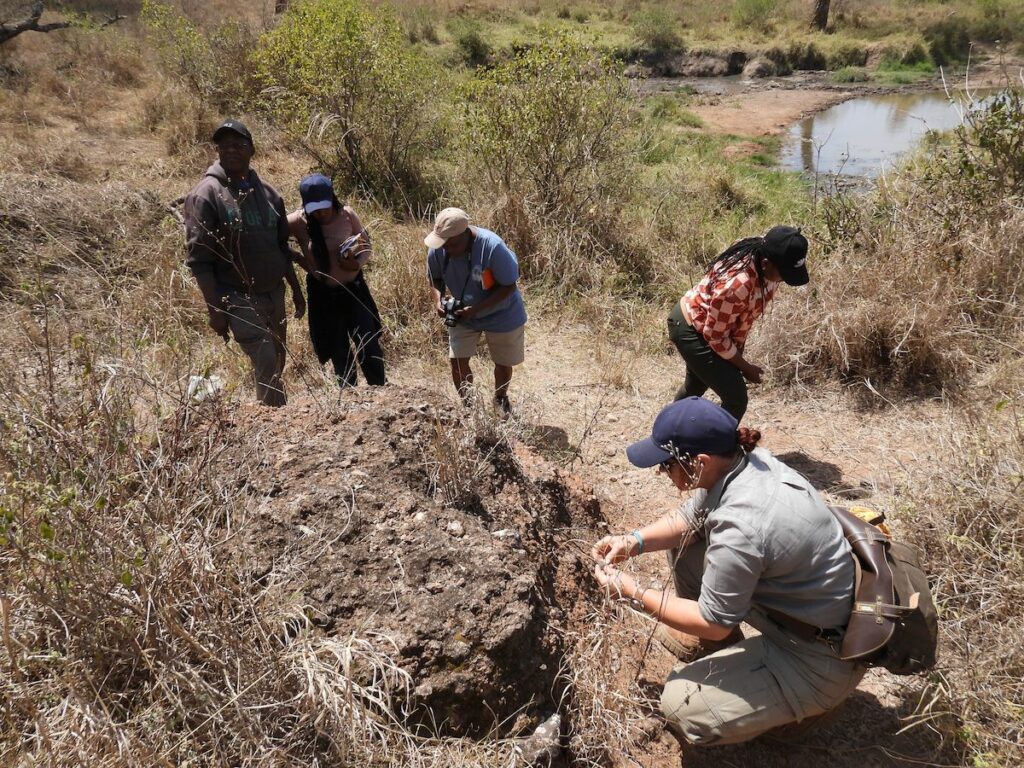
x: 341, y: 78
x: 553, y: 126
x: 551, y: 131
x: 657, y: 31
x: 216, y: 66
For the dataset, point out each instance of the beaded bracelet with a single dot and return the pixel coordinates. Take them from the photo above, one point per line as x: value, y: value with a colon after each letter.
x: 639, y: 540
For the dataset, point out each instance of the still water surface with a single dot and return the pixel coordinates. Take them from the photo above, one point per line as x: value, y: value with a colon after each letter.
x: 863, y: 137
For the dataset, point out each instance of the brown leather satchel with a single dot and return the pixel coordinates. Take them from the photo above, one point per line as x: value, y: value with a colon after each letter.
x: 893, y: 621
x: 875, y: 608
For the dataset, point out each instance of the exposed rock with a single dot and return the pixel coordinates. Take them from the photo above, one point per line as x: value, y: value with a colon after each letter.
x: 452, y: 568
x: 760, y: 67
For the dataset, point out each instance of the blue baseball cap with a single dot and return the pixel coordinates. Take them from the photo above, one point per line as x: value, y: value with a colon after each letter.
x: 692, y: 425
x: 317, y: 192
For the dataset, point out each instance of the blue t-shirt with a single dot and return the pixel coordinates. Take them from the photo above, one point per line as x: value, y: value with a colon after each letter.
x: 464, y: 277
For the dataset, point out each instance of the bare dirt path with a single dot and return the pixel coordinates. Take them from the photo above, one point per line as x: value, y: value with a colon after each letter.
x: 763, y: 112
x: 581, y: 401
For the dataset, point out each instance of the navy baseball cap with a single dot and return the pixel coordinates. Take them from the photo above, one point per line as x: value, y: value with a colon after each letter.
x: 317, y: 192
x: 235, y: 126
x: 692, y: 425
x: 786, y: 248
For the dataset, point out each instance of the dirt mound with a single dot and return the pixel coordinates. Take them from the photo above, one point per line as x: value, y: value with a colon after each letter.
x: 395, y: 521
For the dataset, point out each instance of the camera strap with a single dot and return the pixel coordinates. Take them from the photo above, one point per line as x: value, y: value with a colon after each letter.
x: 469, y: 273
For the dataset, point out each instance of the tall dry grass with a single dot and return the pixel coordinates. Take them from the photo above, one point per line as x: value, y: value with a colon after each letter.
x: 968, y: 516
x: 917, y: 288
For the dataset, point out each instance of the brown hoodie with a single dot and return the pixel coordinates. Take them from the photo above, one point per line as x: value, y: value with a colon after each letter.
x: 239, y: 234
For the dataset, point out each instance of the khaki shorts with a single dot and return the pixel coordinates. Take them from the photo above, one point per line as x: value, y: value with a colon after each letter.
x: 507, y: 348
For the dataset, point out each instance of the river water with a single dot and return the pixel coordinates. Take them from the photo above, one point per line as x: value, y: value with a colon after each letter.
x: 865, y: 136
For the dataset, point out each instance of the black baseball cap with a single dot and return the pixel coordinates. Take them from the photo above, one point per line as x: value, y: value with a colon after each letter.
x: 235, y: 126
x: 689, y: 426
x: 786, y: 248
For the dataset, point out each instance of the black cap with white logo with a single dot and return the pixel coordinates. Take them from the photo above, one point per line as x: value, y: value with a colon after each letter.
x: 235, y: 126
x: 786, y: 248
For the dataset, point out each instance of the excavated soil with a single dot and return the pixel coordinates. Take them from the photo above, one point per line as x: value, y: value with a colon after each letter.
x: 432, y: 537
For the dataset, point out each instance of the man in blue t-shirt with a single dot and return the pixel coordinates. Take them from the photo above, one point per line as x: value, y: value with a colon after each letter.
x: 480, y: 272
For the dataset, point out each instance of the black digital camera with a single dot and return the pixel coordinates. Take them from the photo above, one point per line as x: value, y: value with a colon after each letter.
x: 451, y: 305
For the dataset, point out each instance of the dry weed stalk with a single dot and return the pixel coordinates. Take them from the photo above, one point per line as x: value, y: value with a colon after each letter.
x: 970, y: 517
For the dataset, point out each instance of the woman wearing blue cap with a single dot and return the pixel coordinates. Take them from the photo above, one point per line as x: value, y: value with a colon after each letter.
x: 755, y: 543
x: 710, y: 324
x: 342, y: 313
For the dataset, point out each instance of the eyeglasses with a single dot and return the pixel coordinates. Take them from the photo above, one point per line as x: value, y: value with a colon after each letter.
x: 666, y: 465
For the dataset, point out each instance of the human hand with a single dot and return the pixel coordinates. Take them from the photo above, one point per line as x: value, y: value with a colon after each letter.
x: 614, y: 549
x: 617, y: 585
x: 439, y: 309
x: 300, y: 304
x: 465, y: 313
x: 219, y: 323
x: 752, y: 373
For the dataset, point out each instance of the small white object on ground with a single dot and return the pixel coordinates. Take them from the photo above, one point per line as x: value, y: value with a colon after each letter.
x: 544, y: 745
x: 204, y: 387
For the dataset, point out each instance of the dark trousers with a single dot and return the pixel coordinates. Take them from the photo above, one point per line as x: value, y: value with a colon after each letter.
x: 704, y: 368
x: 343, y: 317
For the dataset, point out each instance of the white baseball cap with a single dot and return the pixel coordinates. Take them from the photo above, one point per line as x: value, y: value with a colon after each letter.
x: 449, y: 223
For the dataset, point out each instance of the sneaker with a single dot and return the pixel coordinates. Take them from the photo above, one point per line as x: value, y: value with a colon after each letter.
x: 688, y: 648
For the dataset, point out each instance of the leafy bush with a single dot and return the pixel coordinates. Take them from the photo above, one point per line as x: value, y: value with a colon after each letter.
x: 658, y: 31
x: 341, y: 79
x: 216, y: 66
x: 551, y: 131
x: 552, y: 125
x: 469, y: 39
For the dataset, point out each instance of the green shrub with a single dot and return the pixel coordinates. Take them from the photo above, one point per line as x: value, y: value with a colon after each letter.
x: 551, y: 130
x: 851, y: 75
x: 469, y: 40
x: 340, y: 78
x: 657, y: 31
x: 216, y: 66
x: 948, y: 41
x: 552, y: 123
x: 757, y: 14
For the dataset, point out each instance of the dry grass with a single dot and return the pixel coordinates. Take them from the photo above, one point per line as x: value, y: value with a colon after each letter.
x: 918, y: 286
x: 969, y: 517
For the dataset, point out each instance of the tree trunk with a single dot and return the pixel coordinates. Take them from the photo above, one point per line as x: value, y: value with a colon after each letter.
x: 819, y: 19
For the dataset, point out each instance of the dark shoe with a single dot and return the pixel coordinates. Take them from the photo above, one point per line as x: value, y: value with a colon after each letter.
x: 503, y: 406
x: 689, y: 648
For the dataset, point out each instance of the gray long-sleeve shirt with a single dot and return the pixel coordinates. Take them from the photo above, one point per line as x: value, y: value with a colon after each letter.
x: 237, y: 234
x: 771, y: 542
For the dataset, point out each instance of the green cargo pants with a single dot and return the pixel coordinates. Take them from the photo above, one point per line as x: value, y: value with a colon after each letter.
x: 259, y: 323
x: 761, y: 683
x: 704, y: 368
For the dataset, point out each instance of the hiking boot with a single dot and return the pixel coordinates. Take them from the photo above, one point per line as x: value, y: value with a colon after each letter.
x: 689, y: 648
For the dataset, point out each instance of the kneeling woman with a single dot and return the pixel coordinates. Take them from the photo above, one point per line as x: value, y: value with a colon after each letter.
x: 756, y: 543
x: 342, y: 312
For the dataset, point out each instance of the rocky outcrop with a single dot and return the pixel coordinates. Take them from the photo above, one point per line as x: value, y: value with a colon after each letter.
x: 396, y: 521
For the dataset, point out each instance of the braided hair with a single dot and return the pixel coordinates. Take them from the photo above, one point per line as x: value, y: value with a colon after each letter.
x: 317, y: 241
x: 751, y: 248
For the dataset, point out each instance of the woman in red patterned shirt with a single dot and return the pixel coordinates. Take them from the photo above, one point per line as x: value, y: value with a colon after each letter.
x: 709, y: 325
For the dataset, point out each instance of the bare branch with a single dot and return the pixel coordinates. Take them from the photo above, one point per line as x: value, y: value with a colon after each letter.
x: 31, y: 23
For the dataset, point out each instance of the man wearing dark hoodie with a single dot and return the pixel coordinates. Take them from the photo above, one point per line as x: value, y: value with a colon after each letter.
x: 236, y: 232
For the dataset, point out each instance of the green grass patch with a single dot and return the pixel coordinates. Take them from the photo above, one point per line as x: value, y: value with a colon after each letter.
x: 851, y: 75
